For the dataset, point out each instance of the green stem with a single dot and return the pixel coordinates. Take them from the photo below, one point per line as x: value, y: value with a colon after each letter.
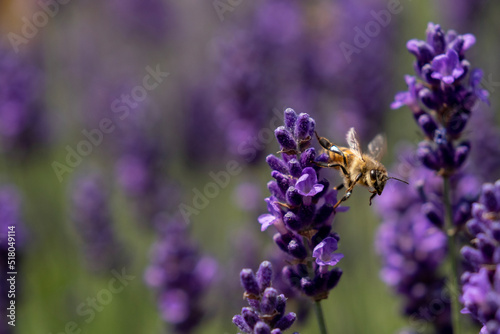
x: 319, y: 315
x: 317, y: 304
x: 453, y: 285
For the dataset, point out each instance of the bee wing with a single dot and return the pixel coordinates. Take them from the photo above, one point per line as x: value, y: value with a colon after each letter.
x: 352, y: 141
x: 377, y: 147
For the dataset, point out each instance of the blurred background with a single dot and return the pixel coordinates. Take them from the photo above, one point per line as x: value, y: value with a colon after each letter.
x: 122, y: 119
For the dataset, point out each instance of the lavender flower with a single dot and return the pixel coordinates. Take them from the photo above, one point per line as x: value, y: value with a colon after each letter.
x: 481, y: 283
x: 443, y: 88
x: 94, y: 224
x: 411, y: 240
x: 179, y: 274
x: 412, y: 245
x: 301, y: 209
x: 22, y: 114
x: 266, y: 314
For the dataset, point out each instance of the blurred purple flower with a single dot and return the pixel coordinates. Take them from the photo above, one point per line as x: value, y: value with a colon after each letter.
x: 180, y: 275
x: 22, y: 111
x: 91, y: 214
x: 287, y: 53
x: 411, y: 241
x: 481, y: 283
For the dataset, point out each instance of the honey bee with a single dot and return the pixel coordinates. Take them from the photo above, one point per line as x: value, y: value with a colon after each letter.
x: 357, y: 167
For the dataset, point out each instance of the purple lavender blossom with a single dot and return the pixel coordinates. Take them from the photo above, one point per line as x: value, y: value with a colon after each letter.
x: 266, y: 313
x: 180, y: 275
x: 22, y: 113
x: 411, y: 241
x: 91, y: 214
x: 324, y: 252
x: 301, y: 208
x: 481, y: 284
x: 447, y: 87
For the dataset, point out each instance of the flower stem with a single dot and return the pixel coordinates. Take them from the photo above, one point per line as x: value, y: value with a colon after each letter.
x: 317, y: 303
x: 319, y: 315
x: 453, y: 285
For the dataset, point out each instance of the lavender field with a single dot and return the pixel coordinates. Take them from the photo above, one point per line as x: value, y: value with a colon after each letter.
x: 267, y: 167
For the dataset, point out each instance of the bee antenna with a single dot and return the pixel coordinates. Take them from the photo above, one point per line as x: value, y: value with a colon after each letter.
x: 395, y: 178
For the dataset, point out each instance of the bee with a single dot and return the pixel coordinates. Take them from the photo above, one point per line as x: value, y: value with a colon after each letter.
x: 357, y: 167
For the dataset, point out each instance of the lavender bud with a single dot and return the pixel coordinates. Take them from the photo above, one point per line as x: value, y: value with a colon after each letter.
x: 262, y: 328
x: 295, y: 168
x: 333, y: 278
x: 432, y: 213
x: 290, y: 118
x: 471, y: 255
x: 435, y: 37
x: 429, y: 99
x: 293, y: 197
x: 286, y: 322
x: 241, y: 324
x: 282, y: 241
x: 488, y: 198
x: 461, y: 154
x: 323, y: 213
x: 249, y: 282
x: 269, y: 300
x: 250, y: 316
x: 427, y: 74
x: 276, y: 331
x: 297, y: 249
x: 291, y: 276
x: 265, y: 275
x: 285, y: 139
x: 292, y: 221
x: 307, y: 286
x: 277, y: 164
x: 282, y: 180
x: 421, y: 50
x: 274, y: 189
x: 303, y: 127
x: 281, y: 304
x: 427, y: 124
x: 307, y: 158
x: 445, y: 148
x: 428, y: 156
x: 457, y: 122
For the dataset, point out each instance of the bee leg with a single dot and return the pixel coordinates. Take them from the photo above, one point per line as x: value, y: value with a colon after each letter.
x: 327, y: 145
x: 327, y: 165
x: 373, y: 195
x: 340, y: 186
x: 348, y: 191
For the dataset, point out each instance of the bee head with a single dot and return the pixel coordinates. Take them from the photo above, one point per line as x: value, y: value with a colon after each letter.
x: 378, y: 179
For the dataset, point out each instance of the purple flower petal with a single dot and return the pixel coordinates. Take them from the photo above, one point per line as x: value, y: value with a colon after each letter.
x: 324, y: 252
x: 307, y: 184
x: 447, y: 67
x: 266, y: 220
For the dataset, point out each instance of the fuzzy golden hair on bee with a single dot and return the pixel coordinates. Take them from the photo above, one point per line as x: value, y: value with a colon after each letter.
x: 356, y: 167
